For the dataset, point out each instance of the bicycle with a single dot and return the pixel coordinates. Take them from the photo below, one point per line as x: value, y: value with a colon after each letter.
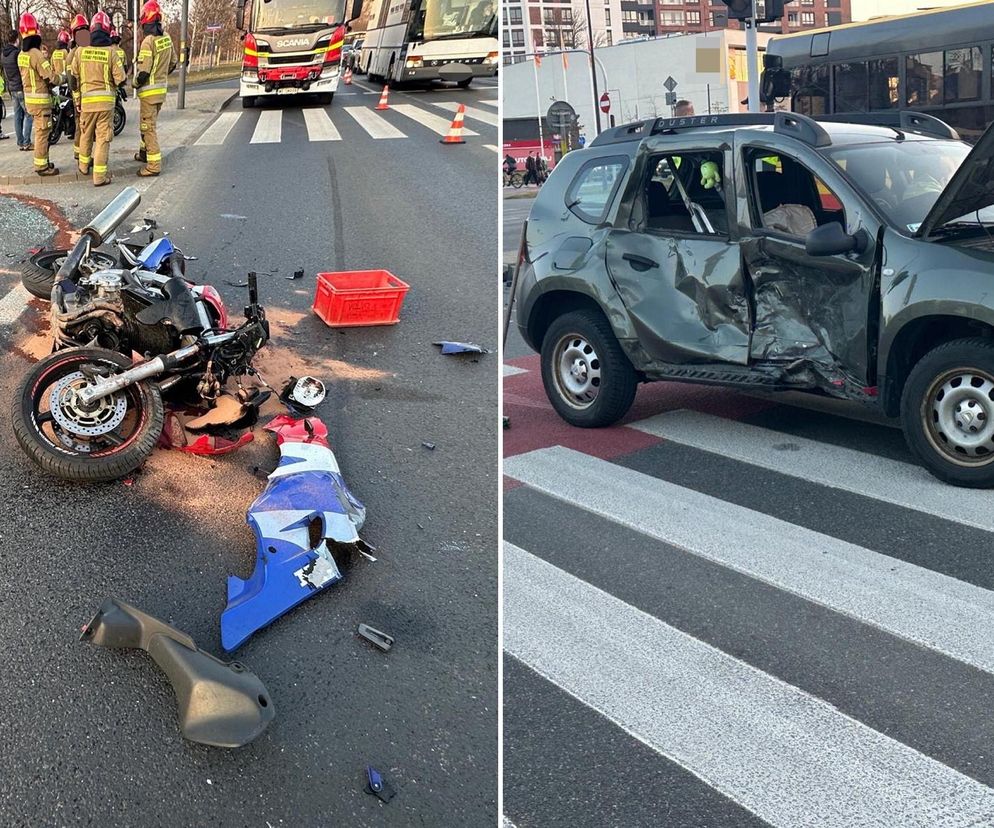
x: 515, y: 179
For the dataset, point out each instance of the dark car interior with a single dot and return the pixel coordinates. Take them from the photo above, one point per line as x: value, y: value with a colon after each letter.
x: 786, y: 190
x: 666, y: 208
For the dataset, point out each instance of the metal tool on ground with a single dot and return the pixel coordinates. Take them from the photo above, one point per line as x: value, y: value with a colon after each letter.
x: 383, y: 98
x: 377, y: 638
x: 220, y: 703
x: 455, y: 131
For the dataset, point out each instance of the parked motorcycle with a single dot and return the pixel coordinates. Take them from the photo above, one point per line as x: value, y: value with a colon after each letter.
x: 86, y: 412
x: 64, y: 114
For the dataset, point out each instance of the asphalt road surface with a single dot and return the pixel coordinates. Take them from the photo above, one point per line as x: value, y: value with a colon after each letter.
x: 739, y: 611
x: 89, y: 735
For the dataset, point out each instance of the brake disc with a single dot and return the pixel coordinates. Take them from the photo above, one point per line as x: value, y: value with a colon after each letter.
x: 69, y: 412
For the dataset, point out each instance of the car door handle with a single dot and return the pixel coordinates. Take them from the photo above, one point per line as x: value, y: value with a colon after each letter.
x: 639, y: 262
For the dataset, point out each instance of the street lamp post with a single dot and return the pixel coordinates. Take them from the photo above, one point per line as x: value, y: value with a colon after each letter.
x: 593, y: 69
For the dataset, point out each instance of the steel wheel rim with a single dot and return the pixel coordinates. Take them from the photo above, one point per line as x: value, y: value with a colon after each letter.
x: 576, y: 368
x: 958, y: 411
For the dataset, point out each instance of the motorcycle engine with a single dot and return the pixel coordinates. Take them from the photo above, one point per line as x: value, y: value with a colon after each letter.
x: 93, y: 313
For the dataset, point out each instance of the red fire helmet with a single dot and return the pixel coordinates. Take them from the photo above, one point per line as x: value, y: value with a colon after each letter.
x: 79, y: 22
x: 151, y: 13
x: 100, y: 22
x: 28, y: 26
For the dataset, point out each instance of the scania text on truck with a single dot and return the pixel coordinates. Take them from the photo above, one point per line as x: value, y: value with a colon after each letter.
x: 292, y: 47
x: 429, y: 40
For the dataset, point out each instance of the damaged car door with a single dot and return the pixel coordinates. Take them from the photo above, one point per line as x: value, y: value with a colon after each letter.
x: 672, y: 260
x: 809, y: 246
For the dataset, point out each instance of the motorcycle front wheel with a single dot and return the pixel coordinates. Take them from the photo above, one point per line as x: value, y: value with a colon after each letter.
x: 120, y: 117
x: 100, y: 442
x: 56, y: 132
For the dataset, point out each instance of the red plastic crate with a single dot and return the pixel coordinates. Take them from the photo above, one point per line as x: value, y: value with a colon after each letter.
x: 352, y: 298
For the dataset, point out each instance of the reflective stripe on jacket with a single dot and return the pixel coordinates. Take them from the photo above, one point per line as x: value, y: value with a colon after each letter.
x: 59, y: 61
x: 155, y: 57
x: 100, y: 72
x: 37, y: 77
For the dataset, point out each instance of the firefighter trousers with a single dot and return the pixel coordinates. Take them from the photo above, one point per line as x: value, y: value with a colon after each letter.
x: 96, y: 131
x: 149, y: 117
x: 42, y: 127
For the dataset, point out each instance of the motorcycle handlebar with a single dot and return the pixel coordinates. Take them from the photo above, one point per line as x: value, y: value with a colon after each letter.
x: 110, y: 218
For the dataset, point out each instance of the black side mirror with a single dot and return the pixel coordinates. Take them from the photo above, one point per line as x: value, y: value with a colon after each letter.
x: 240, y: 15
x: 832, y: 240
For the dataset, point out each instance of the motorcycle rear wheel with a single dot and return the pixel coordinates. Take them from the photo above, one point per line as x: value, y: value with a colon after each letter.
x: 64, y: 439
x: 56, y: 132
x: 120, y: 117
x: 38, y: 272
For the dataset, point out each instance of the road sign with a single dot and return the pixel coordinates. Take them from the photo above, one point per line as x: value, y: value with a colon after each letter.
x: 670, y: 84
x: 561, y: 116
x: 583, y: 140
x: 118, y: 20
x: 671, y: 98
x: 213, y: 28
x: 605, y: 103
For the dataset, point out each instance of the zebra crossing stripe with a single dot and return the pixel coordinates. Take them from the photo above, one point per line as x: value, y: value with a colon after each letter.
x: 489, y: 147
x: 471, y: 112
x: 787, y: 756
x: 375, y: 126
x: 434, y: 122
x: 928, y: 608
x: 269, y: 128
x: 215, y: 134
x: 319, y: 126
x: 494, y: 104
x: 13, y: 304
x: 890, y: 481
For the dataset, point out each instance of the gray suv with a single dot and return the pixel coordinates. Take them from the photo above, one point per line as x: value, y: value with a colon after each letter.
x: 773, y: 252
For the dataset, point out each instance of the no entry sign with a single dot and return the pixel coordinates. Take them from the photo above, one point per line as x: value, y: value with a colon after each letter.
x: 605, y: 103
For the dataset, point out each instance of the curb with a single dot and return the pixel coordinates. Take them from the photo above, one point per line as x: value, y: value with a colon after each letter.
x: 509, y: 193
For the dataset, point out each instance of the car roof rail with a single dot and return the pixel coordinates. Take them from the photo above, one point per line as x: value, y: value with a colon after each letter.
x: 792, y: 124
x: 905, y: 120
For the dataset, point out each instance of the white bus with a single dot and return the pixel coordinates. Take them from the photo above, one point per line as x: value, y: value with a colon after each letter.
x: 428, y: 40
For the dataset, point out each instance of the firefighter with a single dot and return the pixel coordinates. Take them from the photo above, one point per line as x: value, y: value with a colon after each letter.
x: 115, y: 38
x: 80, y: 31
x: 155, y: 61
x: 38, y: 78
x: 100, y: 73
x: 60, y: 56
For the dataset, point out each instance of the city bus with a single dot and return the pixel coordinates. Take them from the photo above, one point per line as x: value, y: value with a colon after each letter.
x: 937, y: 62
x: 292, y: 47
x: 429, y: 40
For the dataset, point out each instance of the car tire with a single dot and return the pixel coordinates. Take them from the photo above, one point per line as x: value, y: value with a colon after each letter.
x: 464, y: 84
x: 947, y: 412
x: 599, y: 386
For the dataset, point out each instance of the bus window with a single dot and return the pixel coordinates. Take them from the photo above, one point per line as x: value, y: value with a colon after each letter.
x: 882, y: 77
x: 962, y: 74
x: 811, y: 85
x: 850, y: 87
x: 924, y: 79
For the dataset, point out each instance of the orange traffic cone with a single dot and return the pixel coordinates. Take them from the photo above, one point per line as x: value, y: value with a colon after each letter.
x: 455, y: 131
x: 347, y: 80
x: 383, y: 98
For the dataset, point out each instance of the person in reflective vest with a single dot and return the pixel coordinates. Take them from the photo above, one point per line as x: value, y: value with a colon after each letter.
x: 100, y: 73
x: 155, y: 61
x: 38, y: 77
x: 60, y: 54
x: 80, y: 31
x: 115, y: 38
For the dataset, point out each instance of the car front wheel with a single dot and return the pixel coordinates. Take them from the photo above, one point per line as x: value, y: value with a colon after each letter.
x: 947, y: 412
x: 587, y: 377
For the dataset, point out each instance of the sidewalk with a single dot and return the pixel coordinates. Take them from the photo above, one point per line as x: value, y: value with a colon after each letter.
x: 506, y: 192
x: 176, y: 129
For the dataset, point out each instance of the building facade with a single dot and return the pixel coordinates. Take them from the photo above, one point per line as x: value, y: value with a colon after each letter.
x: 538, y: 26
x: 684, y: 16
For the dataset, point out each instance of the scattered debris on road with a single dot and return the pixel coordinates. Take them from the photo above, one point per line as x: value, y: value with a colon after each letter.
x: 460, y: 348
x: 377, y: 638
x: 377, y: 785
x: 427, y: 445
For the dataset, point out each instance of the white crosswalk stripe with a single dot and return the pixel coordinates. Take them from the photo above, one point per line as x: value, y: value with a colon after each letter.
x: 269, y: 128
x: 215, y: 134
x: 744, y: 680
x: 428, y: 119
x: 494, y: 104
x: 319, y: 126
x: 375, y: 126
x: 490, y: 147
x: 471, y: 112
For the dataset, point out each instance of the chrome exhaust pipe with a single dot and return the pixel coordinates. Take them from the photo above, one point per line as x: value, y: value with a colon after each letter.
x: 110, y: 218
x: 106, y: 386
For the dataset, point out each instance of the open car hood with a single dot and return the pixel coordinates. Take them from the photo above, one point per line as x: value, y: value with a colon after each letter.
x: 970, y: 189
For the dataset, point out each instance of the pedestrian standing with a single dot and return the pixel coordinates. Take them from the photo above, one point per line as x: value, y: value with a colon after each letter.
x: 80, y: 31
x: 531, y: 174
x: 12, y: 74
x: 37, y: 78
x: 60, y: 57
x: 3, y: 88
x: 543, y: 168
x: 100, y: 73
x: 155, y: 61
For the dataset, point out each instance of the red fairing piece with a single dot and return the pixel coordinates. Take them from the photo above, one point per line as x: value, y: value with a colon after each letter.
x: 291, y: 430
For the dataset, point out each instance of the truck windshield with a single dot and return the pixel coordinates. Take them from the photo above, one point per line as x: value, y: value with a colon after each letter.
x: 296, y: 15
x: 905, y: 178
x: 449, y: 19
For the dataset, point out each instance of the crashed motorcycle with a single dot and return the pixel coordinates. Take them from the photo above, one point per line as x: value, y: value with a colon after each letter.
x: 86, y: 412
x: 64, y: 113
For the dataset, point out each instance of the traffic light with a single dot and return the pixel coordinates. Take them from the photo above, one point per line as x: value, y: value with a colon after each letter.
x: 770, y: 12
x: 739, y: 9
x: 766, y: 12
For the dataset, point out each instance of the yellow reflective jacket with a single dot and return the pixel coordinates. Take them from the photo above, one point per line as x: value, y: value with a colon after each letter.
x: 59, y: 57
x: 38, y: 78
x: 156, y: 58
x: 100, y: 73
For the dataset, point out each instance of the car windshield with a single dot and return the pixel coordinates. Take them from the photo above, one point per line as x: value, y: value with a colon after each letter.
x: 458, y: 18
x: 905, y: 178
x: 296, y: 15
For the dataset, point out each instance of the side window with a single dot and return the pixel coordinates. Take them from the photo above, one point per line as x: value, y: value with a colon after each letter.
x: 592, y: 190
x: 787, y: 197
x: 685, y: 192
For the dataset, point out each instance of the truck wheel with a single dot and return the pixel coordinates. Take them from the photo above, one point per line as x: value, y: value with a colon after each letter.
x: 327, y: 98
x: 947, y: 412
x: 248, y: 102
x: 464, y: 84
x: 587, y: 377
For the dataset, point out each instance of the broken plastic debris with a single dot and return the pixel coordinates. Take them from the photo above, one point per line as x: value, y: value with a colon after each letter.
x: 377, y: 785
x: 428, y: 445
x: 227, y: 410
x: 297, y: 274
x: 375, y: 637
x: 461, y: 348
x: 308, y: 392
x: 305, y: 487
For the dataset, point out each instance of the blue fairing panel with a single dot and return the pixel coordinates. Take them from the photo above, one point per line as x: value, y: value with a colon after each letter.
x: 153, y: 253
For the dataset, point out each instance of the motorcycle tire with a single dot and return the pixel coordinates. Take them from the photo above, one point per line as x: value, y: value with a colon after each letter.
x: 120, y: 117
x: 56, y: 132
x: 38, y: 272
x: 143, y: 407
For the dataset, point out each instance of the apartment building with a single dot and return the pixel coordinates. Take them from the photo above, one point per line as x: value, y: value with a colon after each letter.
x: 537, y: 26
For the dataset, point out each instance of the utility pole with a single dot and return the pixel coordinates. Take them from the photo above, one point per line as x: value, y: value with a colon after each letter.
x: 184, y: 17
x: 593, y: 69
